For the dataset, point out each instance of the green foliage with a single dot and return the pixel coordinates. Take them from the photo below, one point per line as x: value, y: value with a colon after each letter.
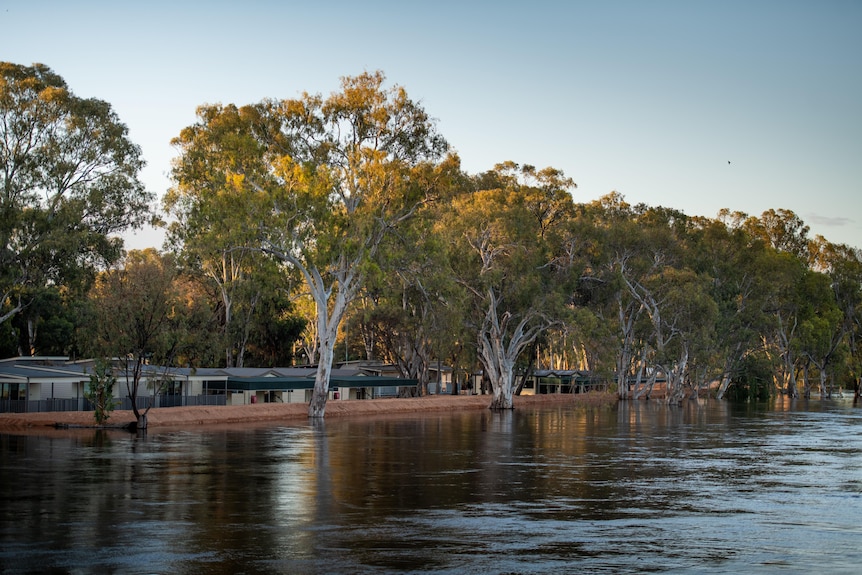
x: 100, y: 390
x: 509, y: 255
x: 47, y: 325
x: 291, y: 214
x: 141, y: 314
x: 68, y: 185
x: 754, y: 381
x: 275, y: 329
x: 316, y: 183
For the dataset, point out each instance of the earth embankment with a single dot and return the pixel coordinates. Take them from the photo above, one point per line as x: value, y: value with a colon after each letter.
x: 262, y: 412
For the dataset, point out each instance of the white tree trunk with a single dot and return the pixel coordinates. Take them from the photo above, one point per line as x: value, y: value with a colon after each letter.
x: 320, y: 393
x: 328, y: 321
x: 824, y: 377
x: 503, y: 392
x: 676, y: 379
x: 330, y: 303
x: 498, y: 356
x: 722, y: 388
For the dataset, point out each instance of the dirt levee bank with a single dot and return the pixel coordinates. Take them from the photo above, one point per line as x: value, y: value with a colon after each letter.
x: 192, y: 416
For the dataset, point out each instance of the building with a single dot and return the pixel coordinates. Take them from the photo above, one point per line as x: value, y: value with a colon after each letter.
x: 29, y: 384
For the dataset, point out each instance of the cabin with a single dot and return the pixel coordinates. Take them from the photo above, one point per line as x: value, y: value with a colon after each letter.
x: 439, y: 376
x: 41, y: 384
x: 544, y: 381
x: 241, y: 386
x: 29, y: 384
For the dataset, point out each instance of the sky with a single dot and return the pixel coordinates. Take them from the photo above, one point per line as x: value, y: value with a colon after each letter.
x: 687, y: 104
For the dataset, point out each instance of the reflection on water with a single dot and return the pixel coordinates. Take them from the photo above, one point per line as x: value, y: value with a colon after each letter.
x: 704, y: 488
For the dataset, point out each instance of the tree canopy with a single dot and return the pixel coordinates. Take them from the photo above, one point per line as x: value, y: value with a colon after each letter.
x: 324, y: 180
x: 68, y: 185
x: 346, y: 220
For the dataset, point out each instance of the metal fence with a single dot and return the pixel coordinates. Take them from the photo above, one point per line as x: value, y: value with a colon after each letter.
x: 81, y: 404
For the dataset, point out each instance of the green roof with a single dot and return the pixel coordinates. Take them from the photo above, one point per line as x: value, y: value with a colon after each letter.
x: 288, y: 383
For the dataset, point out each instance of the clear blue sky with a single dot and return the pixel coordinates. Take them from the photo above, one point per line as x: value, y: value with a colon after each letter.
x: 647, y: 98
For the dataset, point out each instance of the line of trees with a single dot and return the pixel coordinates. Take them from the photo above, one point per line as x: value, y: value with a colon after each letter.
x: 305, y: 226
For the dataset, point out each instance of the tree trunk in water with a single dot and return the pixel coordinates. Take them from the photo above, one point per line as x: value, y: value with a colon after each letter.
x: 622, y: 371
x: 790, y: 380
x: 824, y: 392
x: 672, y: 390
x: 502, y: 398
x: 695, y: 392
x: 676, y: 380
x: 317, y: 406
x: 722, y: 388
x: 641, y: 388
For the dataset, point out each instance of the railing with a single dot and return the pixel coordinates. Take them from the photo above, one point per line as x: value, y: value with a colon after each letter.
x: 37, y: 406
x: 81, y: 404
x: 190, y: 400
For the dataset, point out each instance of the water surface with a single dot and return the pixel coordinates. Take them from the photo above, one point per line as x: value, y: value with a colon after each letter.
x: 704, y: 488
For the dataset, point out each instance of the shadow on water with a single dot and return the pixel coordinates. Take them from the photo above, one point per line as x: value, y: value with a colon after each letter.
x: 706, y: 487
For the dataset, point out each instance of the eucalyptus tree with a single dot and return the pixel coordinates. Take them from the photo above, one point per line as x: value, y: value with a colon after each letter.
x: 505, y: 238
x: 617, y: 257
x: 783, y: 230
x: 726, y: 252
x: 409, y: 309
x: 68, y: 185
x: 213, y: 229
x: 810, y: 325
x: 842, y: 265
x: 322, y: 180
x: 46, y: 325
x: 789, y: 308
x: 275, y: 328
x: 683, y: 316
x: 352, y: 167
x: 821, y: 329
x: 787, y: 265
x: 674, y: 297
x: 640, y: 284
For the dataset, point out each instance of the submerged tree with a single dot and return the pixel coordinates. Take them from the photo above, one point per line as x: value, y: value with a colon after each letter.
x: 352, y: 167
x: 505, y: 238
x: 325, y: 180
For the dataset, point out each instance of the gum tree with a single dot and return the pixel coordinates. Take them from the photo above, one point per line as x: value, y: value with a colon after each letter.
x: 615, y: 259
x: 408, y: 312
x: 325, y: 180
x: 831, y: 332
x: 504, y: 240
x: 68, y: 185
x: 352, y: 168
x: 212, y: 230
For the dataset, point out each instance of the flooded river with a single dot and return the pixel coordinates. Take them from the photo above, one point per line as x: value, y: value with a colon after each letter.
x: 639, y: 488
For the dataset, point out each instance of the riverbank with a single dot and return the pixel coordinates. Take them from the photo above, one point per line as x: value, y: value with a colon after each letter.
x: 263, y: 412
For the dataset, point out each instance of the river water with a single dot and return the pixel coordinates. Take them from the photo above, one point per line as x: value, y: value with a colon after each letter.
x: 638, y: 488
